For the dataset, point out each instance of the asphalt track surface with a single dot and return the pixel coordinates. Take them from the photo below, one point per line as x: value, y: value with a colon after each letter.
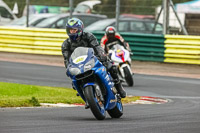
x: 180, y: 115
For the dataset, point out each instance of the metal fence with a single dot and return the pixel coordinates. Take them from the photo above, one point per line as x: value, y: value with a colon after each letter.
x: 127, y: 8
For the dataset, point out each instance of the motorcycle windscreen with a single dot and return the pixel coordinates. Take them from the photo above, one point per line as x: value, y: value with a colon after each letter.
x: 117, y: 46
x: 79, y: 55
x: 80, y: 51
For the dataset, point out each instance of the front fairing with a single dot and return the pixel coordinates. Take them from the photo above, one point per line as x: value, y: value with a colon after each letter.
x: 119, y: 54
x: 78, y: 61
x: 99, y: 70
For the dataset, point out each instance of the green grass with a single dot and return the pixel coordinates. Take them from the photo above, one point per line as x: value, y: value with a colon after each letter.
x: 20, y: 95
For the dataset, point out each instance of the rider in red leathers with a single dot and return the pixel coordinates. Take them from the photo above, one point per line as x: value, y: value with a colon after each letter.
x: 111, y: 36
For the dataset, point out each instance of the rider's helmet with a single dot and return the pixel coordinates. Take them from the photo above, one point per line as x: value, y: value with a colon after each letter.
x: 74, y: 24
x: 110, y: 32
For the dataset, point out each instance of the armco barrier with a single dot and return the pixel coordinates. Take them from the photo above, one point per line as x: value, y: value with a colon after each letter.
x: 31, y: 40
x: 182, y: 49
x: 145, y: 47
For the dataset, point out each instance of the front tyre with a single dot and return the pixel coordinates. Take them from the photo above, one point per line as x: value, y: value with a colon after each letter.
x: 117, y: 111
x: 128, y: 76
x: 96, y: 105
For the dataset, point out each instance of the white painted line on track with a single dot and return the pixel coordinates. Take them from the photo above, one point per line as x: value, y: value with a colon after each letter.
x: 181, y: 97
x: 60, y: 105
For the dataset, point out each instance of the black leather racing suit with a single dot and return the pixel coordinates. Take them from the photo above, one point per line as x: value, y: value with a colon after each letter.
x: 87, y: 40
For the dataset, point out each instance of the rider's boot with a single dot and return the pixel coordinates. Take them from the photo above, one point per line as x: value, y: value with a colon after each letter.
x: 120, y: 89
x: 87, y: 105
x: 118, y: 85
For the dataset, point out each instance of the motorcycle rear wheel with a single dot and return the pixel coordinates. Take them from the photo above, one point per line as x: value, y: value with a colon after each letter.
x: 128, y: 76
x: 96, y: 106
x: 117, y: 111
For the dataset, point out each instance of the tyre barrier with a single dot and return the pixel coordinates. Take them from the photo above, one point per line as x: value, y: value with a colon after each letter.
x: 182, y: 49
x: 31, y: 40
x: 145, y: 47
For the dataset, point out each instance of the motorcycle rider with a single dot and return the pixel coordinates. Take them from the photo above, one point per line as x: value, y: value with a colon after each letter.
x: 111, y: 36
x: 79, y: 38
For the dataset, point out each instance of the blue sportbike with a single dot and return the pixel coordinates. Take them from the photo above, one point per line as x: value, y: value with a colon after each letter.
x: 94, y: 84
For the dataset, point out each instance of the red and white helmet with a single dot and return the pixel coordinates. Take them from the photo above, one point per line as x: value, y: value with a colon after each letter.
x: 110, y: 32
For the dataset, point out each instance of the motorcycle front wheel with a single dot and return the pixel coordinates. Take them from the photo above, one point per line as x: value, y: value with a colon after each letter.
x: 128, y: 76
x: 95, y: 104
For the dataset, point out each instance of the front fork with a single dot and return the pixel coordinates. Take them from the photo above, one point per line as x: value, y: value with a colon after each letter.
x: 121, y: 69
x: 96, y: 90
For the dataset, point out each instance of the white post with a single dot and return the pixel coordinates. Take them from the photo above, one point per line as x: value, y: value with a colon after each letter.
x: 165, y: 16
x: 27, y: 13
x: 117, y: 14
x: 71, y: 7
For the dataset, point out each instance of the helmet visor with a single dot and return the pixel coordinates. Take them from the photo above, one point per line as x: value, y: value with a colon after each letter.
x: 72, y: 30
x: 111, y: 36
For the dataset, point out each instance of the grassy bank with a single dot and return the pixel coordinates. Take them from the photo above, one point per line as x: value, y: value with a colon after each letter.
x: 20, y: 95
